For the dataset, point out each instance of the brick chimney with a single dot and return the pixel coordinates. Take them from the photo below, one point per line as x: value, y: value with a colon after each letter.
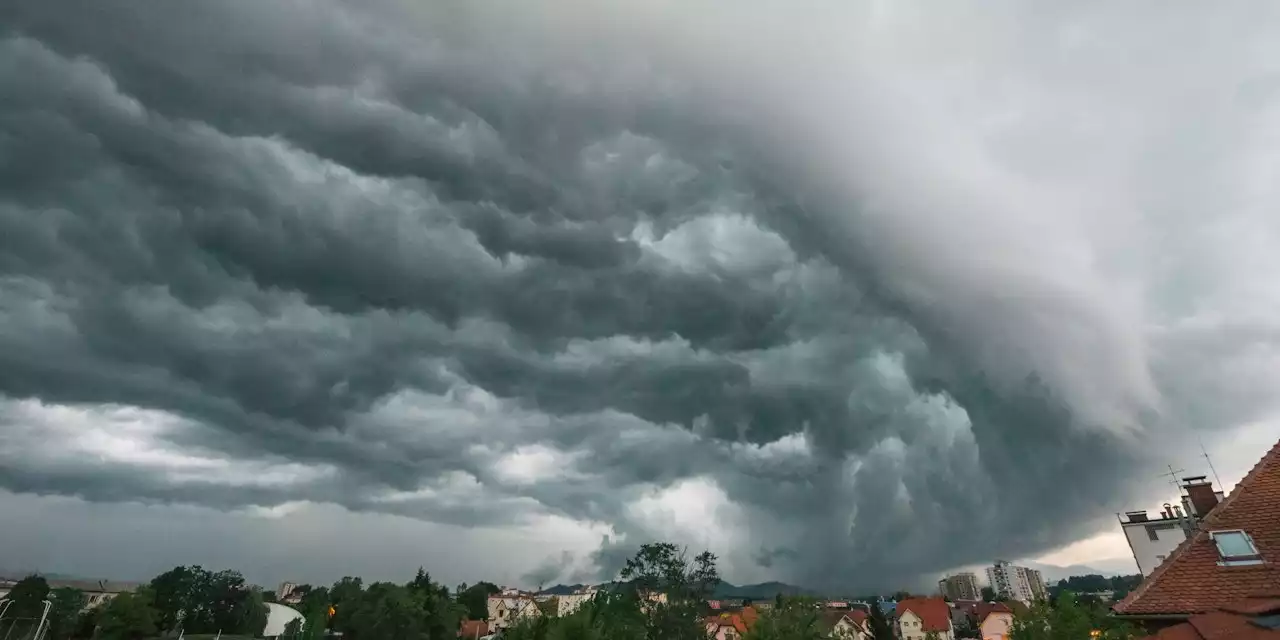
x: 1203, y: 497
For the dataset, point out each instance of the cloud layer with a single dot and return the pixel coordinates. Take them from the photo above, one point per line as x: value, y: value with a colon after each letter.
x: 862, y: 296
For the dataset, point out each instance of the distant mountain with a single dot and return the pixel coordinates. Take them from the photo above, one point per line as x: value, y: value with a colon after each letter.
x: 762, y: 591
x: 561, y: 590
x: 1107, y: 568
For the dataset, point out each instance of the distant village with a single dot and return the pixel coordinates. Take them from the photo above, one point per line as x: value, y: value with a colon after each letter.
x: 1209, y: 569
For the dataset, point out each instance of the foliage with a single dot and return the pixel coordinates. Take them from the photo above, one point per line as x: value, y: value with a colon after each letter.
x: 64, y: 612
x: 672, y: 590
x: 129, y: 616
x: 23, y: 616
x: 878, y: 622
x: 797, y: 618
x: 199, y: 601
x: 1094, y: 583
x: 476, y: 599
x: 293, y: 629
x: 1067, y: 619
x: 988, y: 594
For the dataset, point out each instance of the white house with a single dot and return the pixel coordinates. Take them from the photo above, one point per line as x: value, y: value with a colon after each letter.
x: 567, y: 604
x: 505, y: 611
x: 918, y: 617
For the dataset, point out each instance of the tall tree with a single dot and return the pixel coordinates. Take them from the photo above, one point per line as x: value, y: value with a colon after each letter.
x: 129, y: 616
x: 64, y: 612
x: 1066, y: 619
x: 879, y: 622
x: 345, y: 595
x: 794, y: 619
x: 23, y: 616
x: 671, y: 589
x: 476, y: 599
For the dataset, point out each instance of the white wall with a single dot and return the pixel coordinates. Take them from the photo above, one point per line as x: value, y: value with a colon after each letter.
x: 1150, y: 553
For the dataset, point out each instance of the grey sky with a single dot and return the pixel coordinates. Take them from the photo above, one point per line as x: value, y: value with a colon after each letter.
x: 849, y: 293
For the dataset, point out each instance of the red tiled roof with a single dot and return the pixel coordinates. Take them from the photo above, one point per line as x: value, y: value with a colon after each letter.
x: 934, y: 613
x: 1234, y: 623
x: 857, y: 615
x: 1190, y: 579
x: 984, y: 609
x: 473, y: 629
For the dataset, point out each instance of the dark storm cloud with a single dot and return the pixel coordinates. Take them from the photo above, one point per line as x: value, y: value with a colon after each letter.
x: 417, y: 249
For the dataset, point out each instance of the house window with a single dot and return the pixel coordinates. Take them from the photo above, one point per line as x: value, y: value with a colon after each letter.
x: 1235, y: 547
x: 1151, y: 533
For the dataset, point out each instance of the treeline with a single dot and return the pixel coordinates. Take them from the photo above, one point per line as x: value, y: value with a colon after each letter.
x: 193, y: 601
x: 187, y: 598
x: 1094, y: 583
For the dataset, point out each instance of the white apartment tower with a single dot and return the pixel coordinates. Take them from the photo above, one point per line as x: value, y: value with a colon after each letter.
x: 1016, y: 583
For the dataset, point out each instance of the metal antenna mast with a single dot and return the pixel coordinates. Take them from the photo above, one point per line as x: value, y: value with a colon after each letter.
x: 1216, y: 479
x: 1173, y: 477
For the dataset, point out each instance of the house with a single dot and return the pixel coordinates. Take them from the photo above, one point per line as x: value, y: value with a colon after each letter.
x: 1229, y: 566
x: 567, y: 604
x: 473, y: 629
x: 726, y: 626
x: 993, y: 620
x: 1152, y: 539
x: 918, y: 617
x: 96, y: 592
x: 846, y: 625
x: 506, y: 610
x: 1249, y: 619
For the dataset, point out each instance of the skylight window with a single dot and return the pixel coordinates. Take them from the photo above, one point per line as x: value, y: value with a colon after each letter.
x: 1236, y: 548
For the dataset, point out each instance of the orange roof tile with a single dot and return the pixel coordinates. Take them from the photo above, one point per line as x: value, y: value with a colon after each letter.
x: 1191, y: 581
x: 1218, y: 625
x: 984, y: 609
x: 934, y: 613
x: 473, y: 629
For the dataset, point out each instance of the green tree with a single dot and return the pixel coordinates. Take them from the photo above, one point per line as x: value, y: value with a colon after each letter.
x: 23, y: 616
x: 441, y: 616
x: 129, y: 616
x: 793, y: 619
x: 64, y: 612
x: 988, y: 594
x: 387, y: 611
x: 878, y: 621
x: 293, y: 629
x: 671, y: 589
x: 1067, y: 619
x: 475, y: 599
x: 345, y: 596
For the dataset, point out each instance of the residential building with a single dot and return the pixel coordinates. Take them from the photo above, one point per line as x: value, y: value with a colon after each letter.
x: 1015, y: 583
x: 1227, y: 571
x: 1035, y: 580
x: 567, y: 604
x: 918, y: 617
x: 1153, y: 539
x: 506, y: 610
x: 730, y: 626
x: 847, y: 624
x: 961, y: 586
x: 993, y: 620
x: 96, y: 592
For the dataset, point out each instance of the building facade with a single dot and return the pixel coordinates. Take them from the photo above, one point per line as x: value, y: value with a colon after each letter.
x: 961, y: 586
x: 1152, y: 540
x: 1015, y: 583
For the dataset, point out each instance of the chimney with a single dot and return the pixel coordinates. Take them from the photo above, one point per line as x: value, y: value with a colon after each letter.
x: 1203, y: 497
x: 1168, y: 511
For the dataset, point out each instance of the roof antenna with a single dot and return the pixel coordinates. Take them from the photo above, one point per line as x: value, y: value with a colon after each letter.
x: 1216, y: 479
x: 1173, y: 477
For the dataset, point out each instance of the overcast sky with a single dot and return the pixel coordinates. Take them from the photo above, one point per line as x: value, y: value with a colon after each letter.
x: 849, y: 293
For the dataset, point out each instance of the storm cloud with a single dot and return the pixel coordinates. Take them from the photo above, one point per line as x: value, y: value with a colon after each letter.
x: 879, y: 292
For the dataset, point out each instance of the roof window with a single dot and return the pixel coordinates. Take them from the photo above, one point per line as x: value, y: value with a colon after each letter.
x: 1236, y: 548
